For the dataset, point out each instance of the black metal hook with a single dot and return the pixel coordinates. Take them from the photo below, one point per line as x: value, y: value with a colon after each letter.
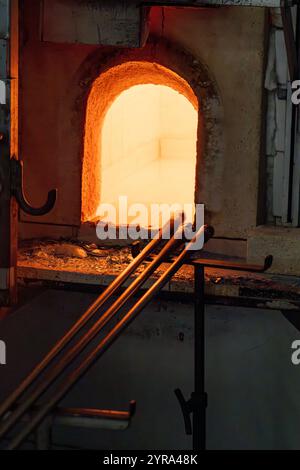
x: 268, y: 262
x: 17, y: 190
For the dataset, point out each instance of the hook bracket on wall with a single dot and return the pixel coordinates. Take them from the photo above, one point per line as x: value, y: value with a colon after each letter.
x: 17, y: 190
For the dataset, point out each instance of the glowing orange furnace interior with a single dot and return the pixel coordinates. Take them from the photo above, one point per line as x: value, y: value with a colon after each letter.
x: 148, y: 147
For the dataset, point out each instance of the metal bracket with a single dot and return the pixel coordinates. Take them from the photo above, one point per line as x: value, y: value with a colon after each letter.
x: 83, y: 418
x: 17, y: 191
x: 220, y: 264
x: 80, y: 416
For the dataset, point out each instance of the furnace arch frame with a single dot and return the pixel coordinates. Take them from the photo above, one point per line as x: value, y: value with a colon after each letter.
x: 107, y: 74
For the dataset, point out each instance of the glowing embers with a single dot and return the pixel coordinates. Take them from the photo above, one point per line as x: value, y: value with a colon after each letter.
x: 148, y: 148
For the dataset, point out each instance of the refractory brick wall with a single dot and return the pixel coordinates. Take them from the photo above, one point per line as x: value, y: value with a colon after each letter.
x: 226, y: 44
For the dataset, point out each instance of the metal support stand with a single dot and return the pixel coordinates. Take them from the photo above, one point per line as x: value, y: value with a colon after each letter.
x: 199, y: 397
x: 197, y: 404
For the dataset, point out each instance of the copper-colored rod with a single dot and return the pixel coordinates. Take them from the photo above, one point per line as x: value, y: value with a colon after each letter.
x: 104, y: 344
x: 73, y: 353
x: 91, y: 413
x: 92, y: 310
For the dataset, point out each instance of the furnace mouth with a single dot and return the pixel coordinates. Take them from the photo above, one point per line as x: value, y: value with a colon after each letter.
x: 148, y: 156
x: 141, y: 142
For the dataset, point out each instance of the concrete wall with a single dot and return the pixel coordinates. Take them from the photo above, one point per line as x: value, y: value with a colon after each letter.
x: 229, y: 42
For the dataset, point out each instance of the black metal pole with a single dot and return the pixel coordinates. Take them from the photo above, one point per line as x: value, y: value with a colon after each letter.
x: 199, y: 397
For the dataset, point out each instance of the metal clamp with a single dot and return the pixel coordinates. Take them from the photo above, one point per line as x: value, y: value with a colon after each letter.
x: 17, y: 190
x: 190, y: 406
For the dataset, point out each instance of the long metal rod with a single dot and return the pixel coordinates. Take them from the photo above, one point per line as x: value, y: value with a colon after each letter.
x: 104, y: 344
x: 74, y: 352
x: 92, y: 310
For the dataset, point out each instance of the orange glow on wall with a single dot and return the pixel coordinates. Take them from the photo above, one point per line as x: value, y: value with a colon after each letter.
x: 140, y: 138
